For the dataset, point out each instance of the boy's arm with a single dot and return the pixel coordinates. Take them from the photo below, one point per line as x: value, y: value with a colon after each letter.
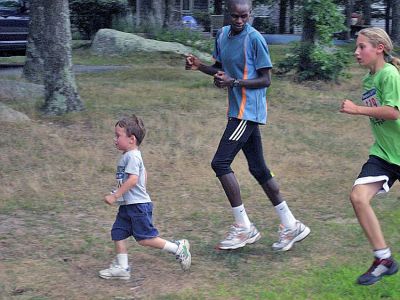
x: 126, y: 186
x: 381, y: 112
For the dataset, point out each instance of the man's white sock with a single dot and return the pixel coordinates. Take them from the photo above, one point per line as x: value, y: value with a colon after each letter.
x: 286, y: 216
x: 240, y: 215
x: 122, y: 260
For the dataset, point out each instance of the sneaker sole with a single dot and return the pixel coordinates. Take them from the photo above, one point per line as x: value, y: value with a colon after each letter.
x: 115, y: 277
x: 298, y: 238
x: 186, y: 268
x: 251, y: 240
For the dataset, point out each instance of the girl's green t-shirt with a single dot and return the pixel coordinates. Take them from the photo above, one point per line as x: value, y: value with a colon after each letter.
x: 383, y: 89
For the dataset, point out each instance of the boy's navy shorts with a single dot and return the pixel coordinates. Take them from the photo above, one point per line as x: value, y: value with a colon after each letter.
x: 134, y: 220
x: 375, y: 170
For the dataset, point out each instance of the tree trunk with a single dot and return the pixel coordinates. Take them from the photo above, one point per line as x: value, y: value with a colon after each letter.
x: 282, y: 15
x: 367, y: 12
x: 61, y: 94
x: 396, y: 21
x: 157, y: 12
x: 34, y: 62
x: 218, y: 7
x: 138, y: 13
x: 348, y: 11
x: 169, y: 13
x: 291, y: 18
x: 307, y: 40
x: 388, y: 15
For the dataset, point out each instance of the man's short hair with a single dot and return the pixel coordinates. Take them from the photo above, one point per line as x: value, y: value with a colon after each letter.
x: 231, y: 3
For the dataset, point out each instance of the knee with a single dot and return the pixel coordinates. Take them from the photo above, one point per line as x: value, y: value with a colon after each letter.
x: 220, y: 167
x: 143, y: 243
x: 357, y: 199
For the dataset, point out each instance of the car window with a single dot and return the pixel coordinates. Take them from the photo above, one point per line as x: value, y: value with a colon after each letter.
x: 10, y: 4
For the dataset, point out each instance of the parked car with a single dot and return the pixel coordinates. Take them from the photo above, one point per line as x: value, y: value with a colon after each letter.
x: 14, y: 22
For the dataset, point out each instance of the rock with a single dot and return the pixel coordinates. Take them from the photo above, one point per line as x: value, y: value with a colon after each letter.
x: 19, y: 90
x: 9, y: 115
x: 113, y: 42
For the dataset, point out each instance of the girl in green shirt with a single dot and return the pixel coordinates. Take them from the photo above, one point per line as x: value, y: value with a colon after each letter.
x: 381, y: 99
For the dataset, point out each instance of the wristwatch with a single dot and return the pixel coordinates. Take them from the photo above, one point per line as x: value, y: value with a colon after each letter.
x: 235, y: 83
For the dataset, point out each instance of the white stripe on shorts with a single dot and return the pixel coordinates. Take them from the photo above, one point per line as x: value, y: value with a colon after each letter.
x: 237, y: 134
x: 372, y: 179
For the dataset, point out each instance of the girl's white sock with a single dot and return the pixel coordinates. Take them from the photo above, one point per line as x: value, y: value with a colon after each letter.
x: 122, y: 260
x: 170, y: 247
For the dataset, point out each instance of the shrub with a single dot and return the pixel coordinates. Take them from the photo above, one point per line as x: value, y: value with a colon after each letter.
x: 88, y: 16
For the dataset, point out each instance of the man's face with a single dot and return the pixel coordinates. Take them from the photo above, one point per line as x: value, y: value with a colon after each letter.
x: 239, y: 16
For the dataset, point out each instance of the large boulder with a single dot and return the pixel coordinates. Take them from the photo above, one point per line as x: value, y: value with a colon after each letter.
x: 10, y: 115
x: 19, y: 90
x: 113, y: 42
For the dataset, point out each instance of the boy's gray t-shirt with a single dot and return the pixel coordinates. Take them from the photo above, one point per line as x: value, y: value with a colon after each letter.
x: 131, y: 162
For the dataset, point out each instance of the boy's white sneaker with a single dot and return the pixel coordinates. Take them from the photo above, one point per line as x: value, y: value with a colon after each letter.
x: 115, y: 271
x: 287, y: 237
x: 183, y: 254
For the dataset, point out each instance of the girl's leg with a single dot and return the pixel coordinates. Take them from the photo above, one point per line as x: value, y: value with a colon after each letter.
x: 360, y: 197
x: 156, y: 242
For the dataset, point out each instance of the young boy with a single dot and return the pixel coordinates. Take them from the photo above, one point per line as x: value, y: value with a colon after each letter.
x: 134, y: 216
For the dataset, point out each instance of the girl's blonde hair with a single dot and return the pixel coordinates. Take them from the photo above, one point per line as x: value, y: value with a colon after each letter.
x: 377, y: 36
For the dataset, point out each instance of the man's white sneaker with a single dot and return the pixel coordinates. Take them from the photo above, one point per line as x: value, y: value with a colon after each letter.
x: 238, y: 237
x: 287, y: 237
x: 183, y: 254
x: 115, y: 271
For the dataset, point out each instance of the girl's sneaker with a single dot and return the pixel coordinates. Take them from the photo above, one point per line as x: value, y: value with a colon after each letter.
x: 115, y: 271
x: 379, y: 268
x: 183, y: 254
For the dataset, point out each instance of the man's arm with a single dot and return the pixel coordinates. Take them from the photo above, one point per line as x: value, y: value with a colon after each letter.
x: 194, y: 63
x: 263, y: 80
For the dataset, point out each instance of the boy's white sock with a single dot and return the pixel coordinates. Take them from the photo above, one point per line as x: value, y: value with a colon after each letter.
x: 241, y: 217
x: 383, y: 253
x: 286, y: 216
x: 170, y: 247
x: 122, y: 260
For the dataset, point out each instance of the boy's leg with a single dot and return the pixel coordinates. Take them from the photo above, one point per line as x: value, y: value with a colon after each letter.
x: 180, y: 248
x: 119, y: 268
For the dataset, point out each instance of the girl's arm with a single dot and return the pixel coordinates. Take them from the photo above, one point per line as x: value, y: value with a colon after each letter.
x: 126, y: 186
x: 380, y: 112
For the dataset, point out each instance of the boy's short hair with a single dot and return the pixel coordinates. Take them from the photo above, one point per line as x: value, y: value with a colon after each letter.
x: 133, y: 126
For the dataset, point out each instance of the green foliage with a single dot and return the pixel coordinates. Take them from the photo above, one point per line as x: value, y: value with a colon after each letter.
x: 318, y: 60
x: 264, y: 25
x: 323, y: 63
x: 203, y: 18
x: 88, y: 16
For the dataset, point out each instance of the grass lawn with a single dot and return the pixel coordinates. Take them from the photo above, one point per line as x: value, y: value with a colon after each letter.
x: 54, y: 172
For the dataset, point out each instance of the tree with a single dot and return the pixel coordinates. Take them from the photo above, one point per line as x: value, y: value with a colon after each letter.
x: 366, y: 10
x: 314, y: 58
x: 34, y: 65
x: 282, y: 15
x: 388, y: 14
x: 51, y: 36
x: 349, y: 7
x: 396, y: 21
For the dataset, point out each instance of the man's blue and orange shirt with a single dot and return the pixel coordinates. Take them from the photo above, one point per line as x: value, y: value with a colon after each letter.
x: 241, y: 56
